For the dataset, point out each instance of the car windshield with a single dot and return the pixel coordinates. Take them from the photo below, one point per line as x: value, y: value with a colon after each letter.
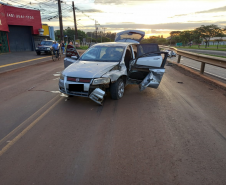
x: 103, y: 54
x: 49, y: 43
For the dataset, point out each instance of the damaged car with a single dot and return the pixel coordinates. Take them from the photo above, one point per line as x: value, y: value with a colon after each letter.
x: 112, y: 66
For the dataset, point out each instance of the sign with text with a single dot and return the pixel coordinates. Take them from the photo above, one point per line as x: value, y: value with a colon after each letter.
x: 3, y: 22
x: 22, y: 17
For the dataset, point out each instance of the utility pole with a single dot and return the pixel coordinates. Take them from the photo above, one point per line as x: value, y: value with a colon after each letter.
x: 104, y: 30
x: 60, y: 21
x: 96, y: 30
x: 91, y: 37
x: 76, y: 32
x: 104, y: 33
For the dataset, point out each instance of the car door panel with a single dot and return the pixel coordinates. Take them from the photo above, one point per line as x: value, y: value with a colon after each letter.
x: 153, y: 79
x: 148, y: 70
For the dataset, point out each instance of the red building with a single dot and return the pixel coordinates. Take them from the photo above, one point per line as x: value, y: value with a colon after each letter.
x: 18, y: 26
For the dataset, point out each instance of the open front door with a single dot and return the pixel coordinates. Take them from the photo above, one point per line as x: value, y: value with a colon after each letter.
x: 148, y: 68
x: 72, y: 55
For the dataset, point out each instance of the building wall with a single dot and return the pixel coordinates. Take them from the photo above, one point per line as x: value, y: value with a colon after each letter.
x: 4, y: 48
x: 3, y: 22
x: 21, y: 17
x: 51, y: 32
x: 45, y: 27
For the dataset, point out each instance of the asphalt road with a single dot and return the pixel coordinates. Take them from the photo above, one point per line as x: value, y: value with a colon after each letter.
x: 209, y: 69
x: 16, y: 60
x: 175, y: 134
x: 211, y: 52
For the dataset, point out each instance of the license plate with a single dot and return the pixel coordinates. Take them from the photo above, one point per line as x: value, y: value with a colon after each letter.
x: 76, y: 87
x: 42, y: 51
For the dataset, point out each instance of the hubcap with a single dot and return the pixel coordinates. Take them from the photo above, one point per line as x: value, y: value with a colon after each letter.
x: 120, y: 89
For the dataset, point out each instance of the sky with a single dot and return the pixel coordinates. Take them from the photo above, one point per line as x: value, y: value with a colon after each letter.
x: 155, y: 17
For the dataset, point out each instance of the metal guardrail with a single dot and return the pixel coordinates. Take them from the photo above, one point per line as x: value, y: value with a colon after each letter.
x: 204, y: 59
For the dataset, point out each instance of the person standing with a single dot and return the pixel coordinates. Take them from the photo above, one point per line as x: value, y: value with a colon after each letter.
x: 63, y: 46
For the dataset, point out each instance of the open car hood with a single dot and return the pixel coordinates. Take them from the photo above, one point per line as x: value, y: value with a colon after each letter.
x: 134, y: 36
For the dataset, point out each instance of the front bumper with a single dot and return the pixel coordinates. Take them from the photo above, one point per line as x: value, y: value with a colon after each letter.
x: 94, y: 92
x: 43, y: 50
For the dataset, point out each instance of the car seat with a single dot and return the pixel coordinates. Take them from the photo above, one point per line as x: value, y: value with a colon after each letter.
x: 127, y: 58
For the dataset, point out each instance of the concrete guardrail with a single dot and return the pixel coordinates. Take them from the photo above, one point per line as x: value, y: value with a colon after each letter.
x: 204, y: 59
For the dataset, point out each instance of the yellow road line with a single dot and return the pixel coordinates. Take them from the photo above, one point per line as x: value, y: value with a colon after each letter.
x: 22, y: 62
x: 12, y: 142
x: 7, y: 137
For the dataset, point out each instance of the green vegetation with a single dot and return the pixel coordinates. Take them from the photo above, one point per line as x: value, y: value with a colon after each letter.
x: 202, y: 47
x: 196, y: 36
x: 192, y: 39
x: 89, y: 36
x: 213, y: 55
x: 83, y: 47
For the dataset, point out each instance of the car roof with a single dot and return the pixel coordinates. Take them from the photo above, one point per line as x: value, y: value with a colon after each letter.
x: 114, y: 44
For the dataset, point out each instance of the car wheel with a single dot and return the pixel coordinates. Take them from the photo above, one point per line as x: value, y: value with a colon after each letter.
x: 38, y: 53
x: 117, y: 89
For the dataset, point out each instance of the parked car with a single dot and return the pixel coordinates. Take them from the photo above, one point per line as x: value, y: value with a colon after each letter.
x: 171, y: 53
x: 111, y: 66
x: 45, y: 47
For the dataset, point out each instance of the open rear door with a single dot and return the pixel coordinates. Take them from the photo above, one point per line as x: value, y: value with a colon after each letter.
x: 148, y: 68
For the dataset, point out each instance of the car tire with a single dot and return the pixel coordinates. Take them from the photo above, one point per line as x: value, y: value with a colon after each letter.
x: 38, y: 53
x: 117, y: 89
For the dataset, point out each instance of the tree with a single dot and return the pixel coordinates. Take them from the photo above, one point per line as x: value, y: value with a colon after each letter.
x: 186, y: 36
x: 196, y: 37
x: 173, y: 36
x: 208, y: 32
x: 154, y: 39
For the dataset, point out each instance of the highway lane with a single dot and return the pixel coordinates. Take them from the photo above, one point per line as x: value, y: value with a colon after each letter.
x: 173, y: 135
x: 209, y: 69
x: 211, y: 52
x: 16, y: 60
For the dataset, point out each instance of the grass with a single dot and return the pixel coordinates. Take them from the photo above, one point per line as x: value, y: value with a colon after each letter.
x: 202, y: 47
x: 83, y: 47
x: 213, y: 55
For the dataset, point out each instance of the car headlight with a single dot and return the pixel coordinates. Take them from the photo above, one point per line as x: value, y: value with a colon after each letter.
x: 101, y: 81
x: 37, y: 48
x: 61, y: 76
x: 48, y: 48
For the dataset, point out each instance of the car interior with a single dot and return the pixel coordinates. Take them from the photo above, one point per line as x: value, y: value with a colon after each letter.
x: 141, y: 73
x: 128, y: 58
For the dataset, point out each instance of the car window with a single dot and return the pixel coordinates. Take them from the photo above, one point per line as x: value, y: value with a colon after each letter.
x: 130, y: 35
x: 46, y: 43
x: 103, y: 54
x: 147, y: 48
x: 134, y: 50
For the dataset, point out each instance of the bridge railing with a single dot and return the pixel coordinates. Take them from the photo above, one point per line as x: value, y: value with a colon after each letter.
x: 204, y: 59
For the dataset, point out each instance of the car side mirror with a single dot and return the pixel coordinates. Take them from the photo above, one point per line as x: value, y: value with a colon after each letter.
x: 74, y: 57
